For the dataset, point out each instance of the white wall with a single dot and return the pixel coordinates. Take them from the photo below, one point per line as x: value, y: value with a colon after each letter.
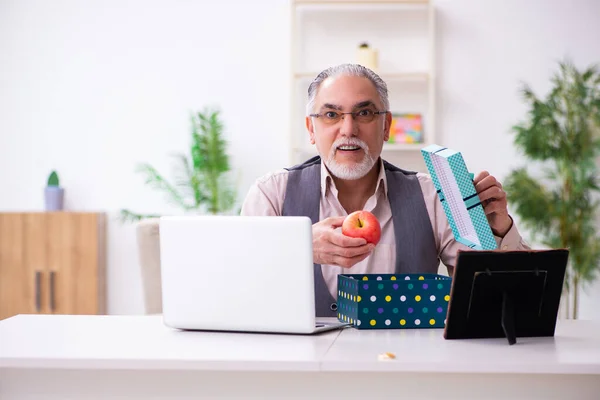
x: 92, y: 88
x: 486, y: 48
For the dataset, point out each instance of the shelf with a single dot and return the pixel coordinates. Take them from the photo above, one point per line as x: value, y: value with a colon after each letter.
x: 361, y: 1
x: 403, y: 40
x: 361, y: 5
x: 328, y: 32
x: 400, y: 76
x: 311, y: 150
x: 403, y: 146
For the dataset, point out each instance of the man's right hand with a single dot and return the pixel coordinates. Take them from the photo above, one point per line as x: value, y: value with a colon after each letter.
x: 334, y: 248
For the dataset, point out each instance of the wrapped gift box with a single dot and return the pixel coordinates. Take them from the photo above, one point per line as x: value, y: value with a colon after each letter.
x: 388, y: 301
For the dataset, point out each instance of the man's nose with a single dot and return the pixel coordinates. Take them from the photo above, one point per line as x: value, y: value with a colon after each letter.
x: 348, y: 125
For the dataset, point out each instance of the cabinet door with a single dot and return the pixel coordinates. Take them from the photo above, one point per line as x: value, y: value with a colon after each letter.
x: 34, y: 245
x: 20, y: 286
x: 75, y: 279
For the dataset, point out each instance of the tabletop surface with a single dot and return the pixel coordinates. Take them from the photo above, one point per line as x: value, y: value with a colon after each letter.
x: 575, y: 349
x: 144, y: 342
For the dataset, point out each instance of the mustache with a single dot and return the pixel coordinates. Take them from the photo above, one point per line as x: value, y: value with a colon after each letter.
x: 349, y: 142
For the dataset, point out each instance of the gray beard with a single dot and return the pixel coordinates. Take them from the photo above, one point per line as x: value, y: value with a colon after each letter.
x: 350, y: 172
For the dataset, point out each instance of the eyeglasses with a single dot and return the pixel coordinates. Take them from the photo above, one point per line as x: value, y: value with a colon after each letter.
x: 363, y: 116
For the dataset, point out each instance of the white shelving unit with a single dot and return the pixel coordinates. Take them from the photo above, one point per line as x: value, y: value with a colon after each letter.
x: 328, y: 32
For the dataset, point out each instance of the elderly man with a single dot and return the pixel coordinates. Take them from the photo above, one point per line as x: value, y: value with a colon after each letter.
x: 348, y: 120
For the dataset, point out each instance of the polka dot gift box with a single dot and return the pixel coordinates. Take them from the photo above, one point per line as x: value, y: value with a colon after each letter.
x: 389, y: 301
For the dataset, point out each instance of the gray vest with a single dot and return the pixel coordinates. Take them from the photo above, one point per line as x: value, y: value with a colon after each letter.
x: 416, y: 251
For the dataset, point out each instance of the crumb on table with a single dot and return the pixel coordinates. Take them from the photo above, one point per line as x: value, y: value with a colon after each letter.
x: 386, y: 356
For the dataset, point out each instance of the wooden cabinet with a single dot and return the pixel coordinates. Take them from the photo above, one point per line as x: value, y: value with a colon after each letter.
x: 52, y: 263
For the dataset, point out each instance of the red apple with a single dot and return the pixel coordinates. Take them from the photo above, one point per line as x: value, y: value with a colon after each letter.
x: 362, y: 224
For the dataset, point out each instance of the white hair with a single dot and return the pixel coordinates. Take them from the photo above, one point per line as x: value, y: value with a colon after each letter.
x: 348, y: 70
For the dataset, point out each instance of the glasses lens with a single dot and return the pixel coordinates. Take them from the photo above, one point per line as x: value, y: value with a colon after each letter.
x: 331, y: 117
x: 365, y: 115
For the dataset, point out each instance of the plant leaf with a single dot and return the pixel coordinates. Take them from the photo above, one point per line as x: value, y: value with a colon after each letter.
x: 156, y: 181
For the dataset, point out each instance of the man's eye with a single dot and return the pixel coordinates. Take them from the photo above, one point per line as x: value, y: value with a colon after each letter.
x: 365, y: 113
x: 331, y: 115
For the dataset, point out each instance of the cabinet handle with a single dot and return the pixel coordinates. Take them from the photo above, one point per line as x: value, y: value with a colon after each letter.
x: 52, y: 302
x: 38, y: 295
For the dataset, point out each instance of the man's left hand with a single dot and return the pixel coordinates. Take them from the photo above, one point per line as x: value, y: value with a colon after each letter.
x: 493, y: 199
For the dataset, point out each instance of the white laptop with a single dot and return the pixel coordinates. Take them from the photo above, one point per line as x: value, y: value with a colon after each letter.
x: 239, y: 273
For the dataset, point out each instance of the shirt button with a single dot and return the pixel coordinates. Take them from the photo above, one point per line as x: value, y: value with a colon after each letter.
x: 333, y: 307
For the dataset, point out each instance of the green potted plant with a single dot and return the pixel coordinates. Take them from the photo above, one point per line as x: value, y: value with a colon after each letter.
x: 53, y: 193
x: 202, y: 183
x: 559, y: 205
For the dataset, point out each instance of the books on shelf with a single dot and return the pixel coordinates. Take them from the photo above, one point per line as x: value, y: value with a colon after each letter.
x: 406, y: 128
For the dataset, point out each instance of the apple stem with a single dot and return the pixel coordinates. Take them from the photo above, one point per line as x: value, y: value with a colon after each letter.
x: 360, y: 223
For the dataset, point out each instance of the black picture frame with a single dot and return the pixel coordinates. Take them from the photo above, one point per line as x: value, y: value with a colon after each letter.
x: 508, y: 294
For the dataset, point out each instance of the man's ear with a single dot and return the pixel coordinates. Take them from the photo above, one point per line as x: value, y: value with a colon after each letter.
x: 311, y: 129
x: 387, y: 126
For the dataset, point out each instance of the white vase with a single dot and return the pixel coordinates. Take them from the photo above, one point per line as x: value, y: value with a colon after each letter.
x: 54, y: 198
x: 368, y: 57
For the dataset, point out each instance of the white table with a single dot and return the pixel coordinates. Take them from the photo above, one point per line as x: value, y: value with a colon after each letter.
x: 99, y: 357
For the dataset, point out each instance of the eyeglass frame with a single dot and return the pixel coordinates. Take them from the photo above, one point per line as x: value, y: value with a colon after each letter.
x: 353, y: 113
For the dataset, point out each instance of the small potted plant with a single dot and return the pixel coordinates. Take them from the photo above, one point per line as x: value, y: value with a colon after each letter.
x: 53, y: 193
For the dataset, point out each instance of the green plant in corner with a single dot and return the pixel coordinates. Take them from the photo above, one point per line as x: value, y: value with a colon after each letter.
x: 562, y: 134
x: 201, y: 184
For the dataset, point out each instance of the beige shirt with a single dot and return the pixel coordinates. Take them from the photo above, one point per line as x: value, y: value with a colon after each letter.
x: 267, y: 194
